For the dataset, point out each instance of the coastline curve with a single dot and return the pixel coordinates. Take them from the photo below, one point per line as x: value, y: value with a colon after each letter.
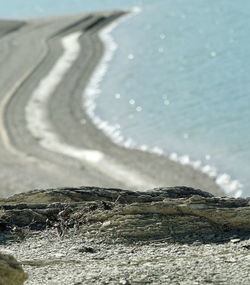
x: 231, y: 187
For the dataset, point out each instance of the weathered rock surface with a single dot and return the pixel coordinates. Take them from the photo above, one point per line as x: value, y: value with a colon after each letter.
x: 175, y: 213
x: 11, y: 272
x: 110, y: 236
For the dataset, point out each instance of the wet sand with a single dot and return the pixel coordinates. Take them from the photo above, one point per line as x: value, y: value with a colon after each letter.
x: 28, y: 53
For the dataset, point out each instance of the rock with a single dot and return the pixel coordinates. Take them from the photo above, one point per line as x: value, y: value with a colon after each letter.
x: 124, y: 282
x: 172, y: 213
x: 87, y: 249
x: 11, y: 272
x: 235, y: 240
x: 84, y: 193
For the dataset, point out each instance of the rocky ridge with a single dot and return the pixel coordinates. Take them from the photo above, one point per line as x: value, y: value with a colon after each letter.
x: 175, y: 213
x: 128, y: 236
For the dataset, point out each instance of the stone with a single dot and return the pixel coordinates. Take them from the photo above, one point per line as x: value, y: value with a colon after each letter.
x: 235, y: 240
x: 11, y: 272
x: 87, y: 249
x: 171, y: 213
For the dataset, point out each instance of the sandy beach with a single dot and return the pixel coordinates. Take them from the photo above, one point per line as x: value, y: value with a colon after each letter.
x: 58, y: 149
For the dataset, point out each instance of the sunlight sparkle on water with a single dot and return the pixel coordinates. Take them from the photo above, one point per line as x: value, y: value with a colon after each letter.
x: 162, y: 36
x: 131, y: 56
x: 208, y: 157
x: 213, y: 54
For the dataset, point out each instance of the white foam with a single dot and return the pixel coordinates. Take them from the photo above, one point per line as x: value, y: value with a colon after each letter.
x: 40, y: 127
x: 184, y: 159
x: 93, y: 89
x: 231, y: 187
x: 228, y: 185
x: 157, y: 150
x: 36, y: 109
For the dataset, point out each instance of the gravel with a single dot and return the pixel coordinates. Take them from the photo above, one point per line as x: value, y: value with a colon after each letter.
x: 51, y: 260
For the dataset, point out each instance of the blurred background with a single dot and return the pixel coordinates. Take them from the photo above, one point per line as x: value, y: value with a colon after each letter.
x: 178, y: 81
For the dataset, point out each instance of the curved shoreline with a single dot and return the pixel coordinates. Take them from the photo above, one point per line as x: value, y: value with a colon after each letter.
x: 66, y: 115
x: 223, y: 180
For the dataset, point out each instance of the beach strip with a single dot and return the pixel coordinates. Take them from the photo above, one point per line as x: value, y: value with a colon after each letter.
x: 47, y: 64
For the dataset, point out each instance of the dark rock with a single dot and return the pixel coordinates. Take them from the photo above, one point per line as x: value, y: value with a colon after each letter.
x: 87, y: 249
x: 172, y: 213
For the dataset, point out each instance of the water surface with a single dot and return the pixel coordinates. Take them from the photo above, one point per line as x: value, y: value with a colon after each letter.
x: 179, y: 80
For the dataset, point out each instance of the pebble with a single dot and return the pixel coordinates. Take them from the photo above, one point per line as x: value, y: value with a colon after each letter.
x: 235, y: 240
x: 154, y: 263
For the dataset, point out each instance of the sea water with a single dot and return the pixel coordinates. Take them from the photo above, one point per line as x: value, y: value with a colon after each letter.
x: 178, y: 82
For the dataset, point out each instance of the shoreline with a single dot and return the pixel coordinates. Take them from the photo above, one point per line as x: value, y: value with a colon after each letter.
x: 65, y: 171
x: 223, y: 180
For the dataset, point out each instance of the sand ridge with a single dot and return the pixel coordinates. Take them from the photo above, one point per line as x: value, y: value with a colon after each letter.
x: 28, y: 55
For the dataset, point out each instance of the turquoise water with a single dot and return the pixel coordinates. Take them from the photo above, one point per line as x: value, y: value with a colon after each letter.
x: 179, y: 80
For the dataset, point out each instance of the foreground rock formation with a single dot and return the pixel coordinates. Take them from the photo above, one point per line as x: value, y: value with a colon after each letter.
x: 175, y: 235
x: 11, y: 272
x: 175, y: 213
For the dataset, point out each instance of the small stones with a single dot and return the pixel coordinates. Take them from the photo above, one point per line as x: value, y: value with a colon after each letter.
x: 87, y: 249
x: 125, y: 263
x: 125, y: 282
x: 235, y: 240
x: 106, y: 224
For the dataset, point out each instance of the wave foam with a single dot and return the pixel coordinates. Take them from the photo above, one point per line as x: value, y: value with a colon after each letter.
x: 36, y: 109
x: 38, y: 123
x: 227, y: 184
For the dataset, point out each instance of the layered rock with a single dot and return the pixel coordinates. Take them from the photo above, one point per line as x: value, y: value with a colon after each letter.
x: 175, y: 213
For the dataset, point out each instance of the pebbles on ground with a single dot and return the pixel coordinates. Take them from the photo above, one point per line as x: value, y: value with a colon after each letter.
x: 75, y: 260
